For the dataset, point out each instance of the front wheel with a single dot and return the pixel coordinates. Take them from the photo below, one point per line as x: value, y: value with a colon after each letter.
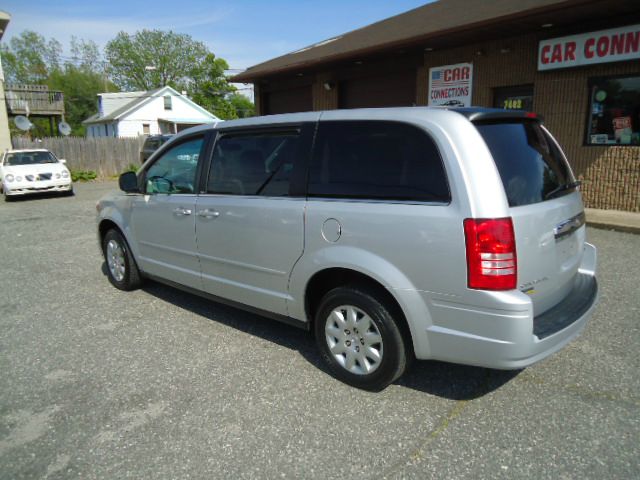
x: 122, y: 270
x: 359, y: 339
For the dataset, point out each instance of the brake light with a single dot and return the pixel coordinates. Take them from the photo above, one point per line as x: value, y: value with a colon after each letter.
x: 491, y: 253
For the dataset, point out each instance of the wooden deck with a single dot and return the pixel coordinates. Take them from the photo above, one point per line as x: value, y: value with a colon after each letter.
x: 35, y: 100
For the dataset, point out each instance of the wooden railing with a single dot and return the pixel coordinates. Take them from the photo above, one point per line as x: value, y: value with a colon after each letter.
x: 33, y: 100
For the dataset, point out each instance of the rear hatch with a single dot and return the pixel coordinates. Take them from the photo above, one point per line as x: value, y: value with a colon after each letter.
x: 545, y: 205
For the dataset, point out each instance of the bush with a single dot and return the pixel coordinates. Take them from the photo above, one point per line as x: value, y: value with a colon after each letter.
x: 82, y: 175
x: 132, y: 168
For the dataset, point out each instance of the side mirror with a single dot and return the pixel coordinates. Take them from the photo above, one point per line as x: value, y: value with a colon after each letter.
x: 62, y: 160
x: 128, y: 182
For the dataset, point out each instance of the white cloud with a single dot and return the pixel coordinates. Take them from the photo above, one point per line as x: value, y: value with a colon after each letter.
x: 89, y: 22
x: 101, y: 29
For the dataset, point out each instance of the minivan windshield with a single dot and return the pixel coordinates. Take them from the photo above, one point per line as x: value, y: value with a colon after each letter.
x: 531, y: 166
x: 29, y: 158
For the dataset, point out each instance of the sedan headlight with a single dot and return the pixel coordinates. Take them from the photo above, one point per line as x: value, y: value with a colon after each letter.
x: 18, y: 178
x: 57, y: 176
x: 8, y: 177
x: 65, y: 174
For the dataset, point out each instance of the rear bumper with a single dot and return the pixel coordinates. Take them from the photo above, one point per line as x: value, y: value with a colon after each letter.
x: 519, y: 339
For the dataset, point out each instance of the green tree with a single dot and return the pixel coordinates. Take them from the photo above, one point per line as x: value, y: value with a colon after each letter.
x: 210, y: 88
x: 80, y: 87
x: 243, y: 106
x: 154, y: 58
x: 85, y: 54
x: 29, y: 58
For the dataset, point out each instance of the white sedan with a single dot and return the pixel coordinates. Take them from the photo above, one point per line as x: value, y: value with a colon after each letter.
x: 33, y: 171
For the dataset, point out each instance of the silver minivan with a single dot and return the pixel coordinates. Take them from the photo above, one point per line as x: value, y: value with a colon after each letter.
x: 392, y: 233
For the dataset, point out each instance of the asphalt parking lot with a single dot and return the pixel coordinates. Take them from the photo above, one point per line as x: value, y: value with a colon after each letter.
x: 99, y: 383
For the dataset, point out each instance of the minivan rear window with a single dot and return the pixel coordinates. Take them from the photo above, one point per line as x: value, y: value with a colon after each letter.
x: 531, y: 166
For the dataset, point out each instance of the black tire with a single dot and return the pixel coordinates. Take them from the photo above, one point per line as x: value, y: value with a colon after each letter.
x: 130, y: 277
x: 394, y: 352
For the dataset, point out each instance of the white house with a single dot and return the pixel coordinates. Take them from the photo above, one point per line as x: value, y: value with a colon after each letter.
x: 129, y: 114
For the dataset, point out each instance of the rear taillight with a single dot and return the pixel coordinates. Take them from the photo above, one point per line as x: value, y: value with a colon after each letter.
x: 491, y: 253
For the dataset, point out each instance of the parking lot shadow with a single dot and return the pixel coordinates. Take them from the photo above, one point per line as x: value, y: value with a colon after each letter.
x: 29, y: 197
x: 456, y: 382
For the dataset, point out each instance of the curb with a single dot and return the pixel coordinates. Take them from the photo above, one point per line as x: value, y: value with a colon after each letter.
x: 628, y: 222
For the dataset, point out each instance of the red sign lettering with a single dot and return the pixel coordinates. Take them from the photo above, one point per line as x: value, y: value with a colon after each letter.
x: 602, y: 46
x: 613, y: 45
x: 588, y: 47
x: 455, y: 74
x: 632, y: 42
x: 570, y: 51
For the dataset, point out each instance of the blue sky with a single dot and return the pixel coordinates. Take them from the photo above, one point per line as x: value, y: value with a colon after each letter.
x: 244, y: 32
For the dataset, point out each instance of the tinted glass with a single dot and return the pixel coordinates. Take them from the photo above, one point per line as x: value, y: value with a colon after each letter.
x: 175, y: 170
x: 531, y: 167
x: 377, y: 160
x: 253, y: 164
x: 29, y: 158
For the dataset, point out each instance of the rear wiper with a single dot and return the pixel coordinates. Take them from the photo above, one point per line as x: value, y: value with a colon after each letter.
x: 562, y: 188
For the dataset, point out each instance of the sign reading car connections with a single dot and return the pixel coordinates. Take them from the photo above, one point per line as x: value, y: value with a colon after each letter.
x: 614, y: 45
x: 450, y: 85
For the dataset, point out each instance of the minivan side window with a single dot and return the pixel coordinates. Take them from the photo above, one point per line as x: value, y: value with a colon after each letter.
x: 175, y: 171
x: 253, y: 163
x: 377, y: 160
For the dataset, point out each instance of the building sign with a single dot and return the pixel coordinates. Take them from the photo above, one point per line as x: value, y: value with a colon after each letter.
x: 450, y: 85
x: 614, y: 45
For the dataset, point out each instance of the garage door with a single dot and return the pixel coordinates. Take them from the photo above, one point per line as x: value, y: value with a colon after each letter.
x: 287, y: 101
x: 393, y: 90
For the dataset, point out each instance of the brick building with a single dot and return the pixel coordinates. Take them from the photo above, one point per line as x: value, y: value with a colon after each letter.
x: 575, y: 62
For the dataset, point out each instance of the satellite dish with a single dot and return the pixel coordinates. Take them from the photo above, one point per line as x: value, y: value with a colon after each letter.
x: 65, y: 128
x: 22, y: 123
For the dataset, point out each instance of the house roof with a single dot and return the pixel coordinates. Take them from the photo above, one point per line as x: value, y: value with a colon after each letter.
x: 441, y: 23
x: 140, y: 99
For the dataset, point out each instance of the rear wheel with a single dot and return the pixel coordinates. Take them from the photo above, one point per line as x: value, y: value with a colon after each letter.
x: 122, y: 270
x: 359, y: 339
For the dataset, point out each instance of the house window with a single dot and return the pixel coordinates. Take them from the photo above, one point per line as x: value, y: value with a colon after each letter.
x: 146, y: 130
x: 614, y: 111
x: 167, y: 102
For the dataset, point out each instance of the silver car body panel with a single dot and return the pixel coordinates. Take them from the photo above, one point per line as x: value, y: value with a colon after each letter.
x: 164, y: 231
x: 262, y: 252
x: 247, y: 247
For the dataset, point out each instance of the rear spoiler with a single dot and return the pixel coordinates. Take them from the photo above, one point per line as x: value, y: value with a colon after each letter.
x: 494, y: 114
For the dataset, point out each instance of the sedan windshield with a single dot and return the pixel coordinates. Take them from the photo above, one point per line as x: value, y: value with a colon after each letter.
x: 29, y: 158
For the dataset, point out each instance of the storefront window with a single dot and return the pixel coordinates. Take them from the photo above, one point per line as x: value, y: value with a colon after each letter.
x: 614, y: 111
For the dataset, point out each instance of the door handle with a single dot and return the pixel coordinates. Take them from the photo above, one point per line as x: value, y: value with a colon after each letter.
x: 181, y: 212
x: 206, y: 213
